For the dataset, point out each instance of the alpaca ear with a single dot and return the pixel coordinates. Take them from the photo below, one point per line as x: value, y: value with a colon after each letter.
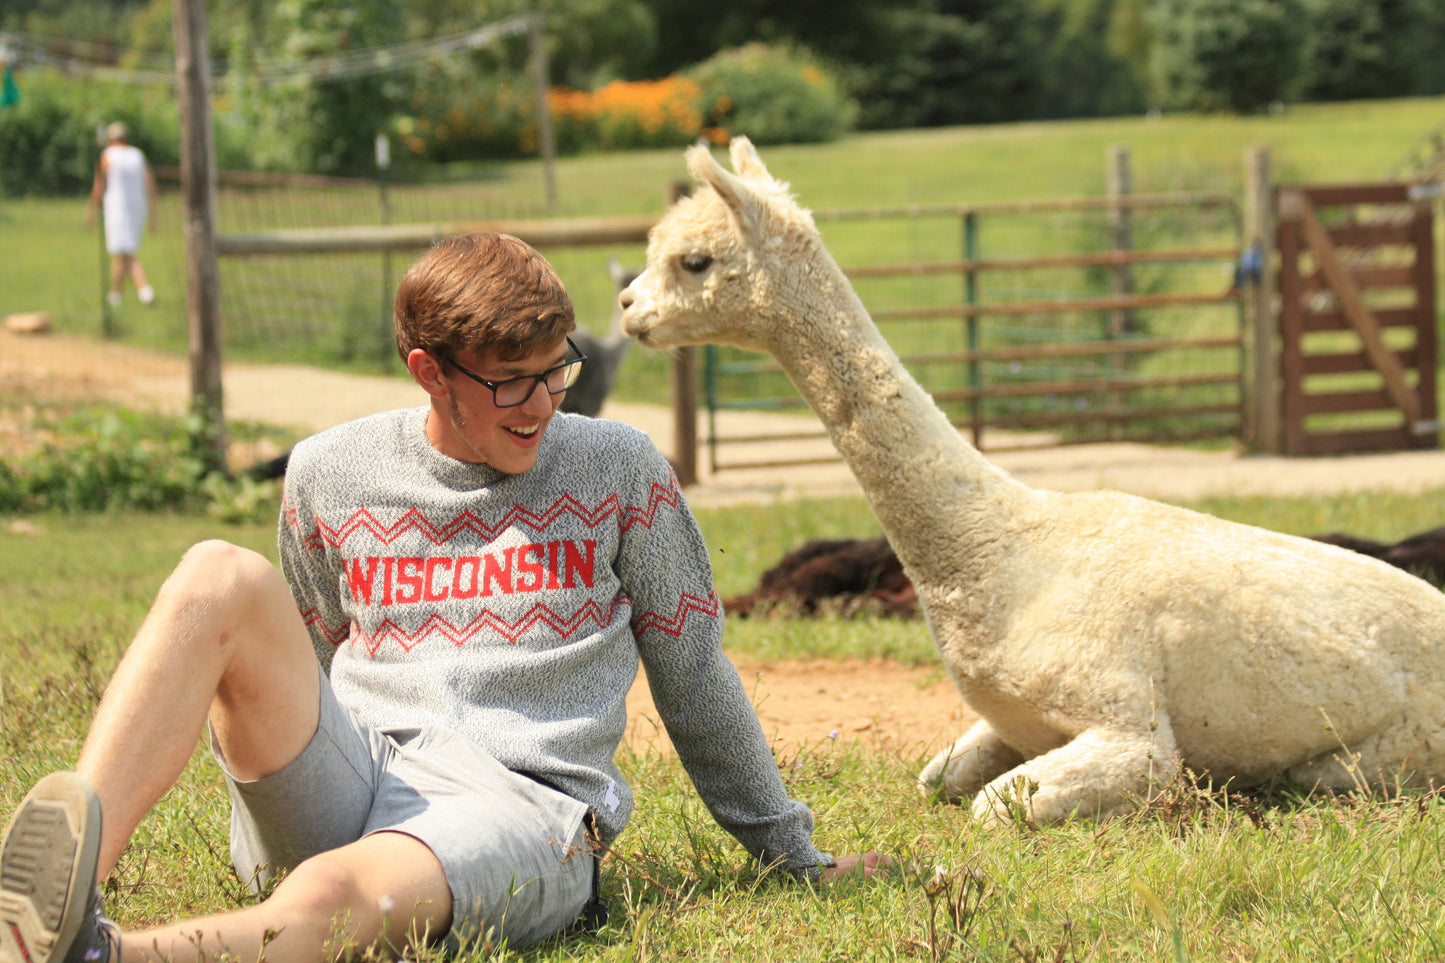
x: 742, y: 202
x: 746, y: 161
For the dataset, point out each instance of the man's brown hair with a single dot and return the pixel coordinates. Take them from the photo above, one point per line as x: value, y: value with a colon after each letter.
x: 491, y: 294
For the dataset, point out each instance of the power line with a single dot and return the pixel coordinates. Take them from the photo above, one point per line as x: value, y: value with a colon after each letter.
x: 99, y: 60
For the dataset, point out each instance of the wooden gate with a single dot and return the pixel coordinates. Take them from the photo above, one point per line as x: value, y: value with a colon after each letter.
x: 1357, y: 320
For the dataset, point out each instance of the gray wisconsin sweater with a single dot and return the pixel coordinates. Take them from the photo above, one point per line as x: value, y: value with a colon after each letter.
x: 514, y: 609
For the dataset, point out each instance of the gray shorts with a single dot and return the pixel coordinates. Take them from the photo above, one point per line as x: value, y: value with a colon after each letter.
x: 514, y: 850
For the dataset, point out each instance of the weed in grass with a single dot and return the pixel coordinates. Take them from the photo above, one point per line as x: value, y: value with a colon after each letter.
x: 959, y: 893
x: 1161, y: 913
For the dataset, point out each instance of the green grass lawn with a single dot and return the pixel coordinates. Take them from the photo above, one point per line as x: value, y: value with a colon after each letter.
x: 1202, y: 876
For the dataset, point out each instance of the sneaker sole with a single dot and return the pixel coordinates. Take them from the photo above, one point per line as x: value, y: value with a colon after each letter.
x: 47, y: 869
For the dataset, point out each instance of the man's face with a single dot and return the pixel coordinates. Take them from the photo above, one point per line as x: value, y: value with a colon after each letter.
x: 474, y: 429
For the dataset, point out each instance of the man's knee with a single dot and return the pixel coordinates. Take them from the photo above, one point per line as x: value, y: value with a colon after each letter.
x: 320, y: 888
x: 219, y: 568
x: 319, y: 904
x: 325, y: 897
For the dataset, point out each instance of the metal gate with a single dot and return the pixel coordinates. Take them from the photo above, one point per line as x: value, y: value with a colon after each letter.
x: 1074, y: 320
x: 1357, y: 319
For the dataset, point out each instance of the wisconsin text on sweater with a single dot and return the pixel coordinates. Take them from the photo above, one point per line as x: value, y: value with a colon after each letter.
x: 527, y: 568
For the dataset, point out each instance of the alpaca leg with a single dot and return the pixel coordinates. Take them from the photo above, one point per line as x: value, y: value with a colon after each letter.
x: 1100, y: 772
x: 1392, y: 759
x: 965, y: 767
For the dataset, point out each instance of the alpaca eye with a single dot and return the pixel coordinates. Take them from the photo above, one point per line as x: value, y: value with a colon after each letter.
x: 695, y: 263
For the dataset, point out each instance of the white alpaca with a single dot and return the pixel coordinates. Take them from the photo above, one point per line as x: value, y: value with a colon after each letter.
x: 1104, y: 639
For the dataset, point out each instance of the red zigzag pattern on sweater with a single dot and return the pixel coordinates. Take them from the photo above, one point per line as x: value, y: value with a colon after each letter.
x: 413, y: 520
x: 363, y: 521
x: 513, y: 631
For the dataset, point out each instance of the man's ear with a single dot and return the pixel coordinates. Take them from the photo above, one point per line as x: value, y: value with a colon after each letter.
x: 427, y: 372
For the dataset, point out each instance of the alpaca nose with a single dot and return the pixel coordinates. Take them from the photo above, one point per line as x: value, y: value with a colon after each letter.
x: 626, y: 299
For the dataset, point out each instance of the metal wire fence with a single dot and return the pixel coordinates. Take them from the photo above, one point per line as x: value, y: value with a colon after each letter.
x: 332, y: 307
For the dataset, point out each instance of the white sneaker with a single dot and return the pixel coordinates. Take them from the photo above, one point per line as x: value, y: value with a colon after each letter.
x: 147, y: 295
x: 50, y: 909
x: 114, y: 298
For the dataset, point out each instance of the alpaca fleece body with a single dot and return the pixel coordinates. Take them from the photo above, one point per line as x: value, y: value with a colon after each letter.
x: 1105, y: 640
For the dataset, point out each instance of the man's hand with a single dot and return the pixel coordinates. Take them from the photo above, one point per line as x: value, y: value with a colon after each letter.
x: 857, y: 867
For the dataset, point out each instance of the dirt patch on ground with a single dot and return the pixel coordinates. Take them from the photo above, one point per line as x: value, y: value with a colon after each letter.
x: 808, y: 703
x: 880, y: 704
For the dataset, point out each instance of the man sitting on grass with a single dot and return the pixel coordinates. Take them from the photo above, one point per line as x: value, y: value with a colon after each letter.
x: 478, y: 578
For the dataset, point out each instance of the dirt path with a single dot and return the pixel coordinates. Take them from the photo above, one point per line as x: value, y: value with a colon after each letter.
x: 802, y: 702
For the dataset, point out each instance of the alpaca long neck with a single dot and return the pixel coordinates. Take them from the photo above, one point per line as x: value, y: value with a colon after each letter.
x: 924, y: 481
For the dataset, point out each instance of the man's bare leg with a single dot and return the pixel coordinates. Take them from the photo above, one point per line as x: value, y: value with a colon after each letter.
x: 387, y: 889
x: 223, y: 639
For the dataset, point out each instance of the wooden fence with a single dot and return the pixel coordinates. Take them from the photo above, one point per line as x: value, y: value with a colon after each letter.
x: 1164, y: 328
x: 1113, y: 360
x: 1357, y: 319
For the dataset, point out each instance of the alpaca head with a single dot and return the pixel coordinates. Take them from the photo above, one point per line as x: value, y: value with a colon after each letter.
x: 718, y: 262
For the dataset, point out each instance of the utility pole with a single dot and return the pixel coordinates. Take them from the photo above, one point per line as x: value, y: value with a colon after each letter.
x: 198, y: 186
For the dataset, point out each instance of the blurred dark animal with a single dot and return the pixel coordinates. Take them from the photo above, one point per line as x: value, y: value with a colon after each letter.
x: 604, y: 355
x: 1422, y: 555
x: 270, y: 469
x: 849, y: 570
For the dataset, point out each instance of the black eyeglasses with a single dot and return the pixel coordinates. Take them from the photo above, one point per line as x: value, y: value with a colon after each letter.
x: 511, y: 392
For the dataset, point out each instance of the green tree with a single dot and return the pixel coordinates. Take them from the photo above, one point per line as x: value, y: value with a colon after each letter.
x: 86, y: 21
x: 312, y: 123
x: 1430, y: 47
x: 1087, y: 66
x: 1361, y: 48
x: 952, y: 62
x: 1237, y: 55
x: 834, y: 29
x: 592, y: 42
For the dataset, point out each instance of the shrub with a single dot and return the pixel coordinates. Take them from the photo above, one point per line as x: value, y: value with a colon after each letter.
x: 310, y: 123
x: 107, y: 459
x: 48, y: 142
x: 628, y: 114
x: 772, y: 94
x: 500, y: 119
x: 449, y: 121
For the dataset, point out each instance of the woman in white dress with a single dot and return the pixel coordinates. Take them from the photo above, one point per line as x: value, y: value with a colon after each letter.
x: 126, y: 187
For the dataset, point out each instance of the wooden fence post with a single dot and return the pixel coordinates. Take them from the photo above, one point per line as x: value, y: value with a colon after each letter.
x: 198, y: 187
x: 1121, y: 229
x: 1262, y: 413
x: 684, y: 390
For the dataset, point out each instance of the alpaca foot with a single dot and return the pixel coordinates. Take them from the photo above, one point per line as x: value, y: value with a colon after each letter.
x: 1098, y: 774
x: 964, y: 768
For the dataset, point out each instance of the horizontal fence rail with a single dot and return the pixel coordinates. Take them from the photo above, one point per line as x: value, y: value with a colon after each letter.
x: 565, y: 232
x: 1014, y: 368
x: 1037, y: 322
